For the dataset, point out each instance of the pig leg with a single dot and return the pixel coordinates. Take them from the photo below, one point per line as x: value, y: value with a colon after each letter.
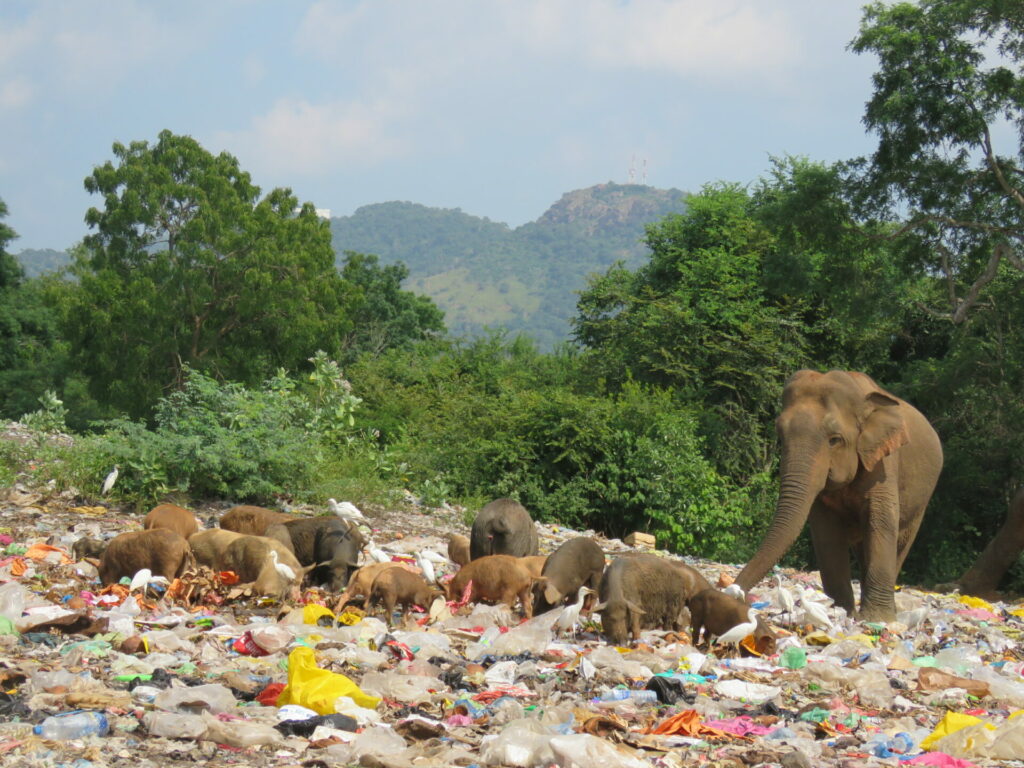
x: 634, y: 625
x: 525, y: 596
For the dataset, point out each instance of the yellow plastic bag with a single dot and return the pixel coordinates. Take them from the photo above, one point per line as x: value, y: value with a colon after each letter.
x: 977, y: 602
x: 315, y: 688
x: 951, y: 723
x: 312, y: 613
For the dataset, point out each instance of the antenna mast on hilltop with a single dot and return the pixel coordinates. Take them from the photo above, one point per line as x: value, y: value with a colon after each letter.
x: 644, y: 176
x: 632, y: 169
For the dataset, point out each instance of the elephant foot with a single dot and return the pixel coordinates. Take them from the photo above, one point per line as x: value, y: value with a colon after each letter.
x: 876, y: 613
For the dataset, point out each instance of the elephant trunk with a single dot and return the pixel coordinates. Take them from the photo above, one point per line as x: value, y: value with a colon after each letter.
x: 802, y: 479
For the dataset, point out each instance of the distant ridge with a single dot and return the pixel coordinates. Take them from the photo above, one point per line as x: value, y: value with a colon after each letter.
x: 483, y: 273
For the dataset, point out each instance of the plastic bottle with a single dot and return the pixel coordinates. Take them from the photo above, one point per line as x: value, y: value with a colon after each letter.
x: 73, y: 725
x: 621, y: 694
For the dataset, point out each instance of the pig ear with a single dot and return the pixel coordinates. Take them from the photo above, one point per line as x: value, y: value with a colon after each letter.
x: 600, y: 607
x: 635, y: 608
x: 551, y: 594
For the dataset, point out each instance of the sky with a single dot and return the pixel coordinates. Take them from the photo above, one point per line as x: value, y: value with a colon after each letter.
x: 496, y: 108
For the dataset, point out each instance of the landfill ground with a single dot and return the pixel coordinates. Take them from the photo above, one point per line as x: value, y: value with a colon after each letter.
x: 179, y: 682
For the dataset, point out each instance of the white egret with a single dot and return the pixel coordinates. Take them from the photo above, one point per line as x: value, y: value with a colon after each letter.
x: 109, y: 481
x: 784, y: 598
x: 376, y: 553
x: 143, y: 578
x: 815, y: 612
x: 140, y: 579
x: 346, y: 509
x: 435, y: 558
x: 735, y: 590
x: 569, y: 617
x: 740, y: 631
x: 282, y: 568
x: 427, y: 567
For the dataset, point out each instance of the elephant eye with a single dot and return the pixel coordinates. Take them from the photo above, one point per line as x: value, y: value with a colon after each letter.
x: 835, y: 440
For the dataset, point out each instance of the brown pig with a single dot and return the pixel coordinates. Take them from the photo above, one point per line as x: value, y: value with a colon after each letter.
x: 534, y: 564
x: 503, y: 527
x: 458, y: 549
x: 361, y: 581
x: 397, y: 586
x: 86, y: 547
x: 497, y: 579
x: 253, y: 521
x: 209, y: 546
x: 578, y: 562
x: 252, y: 558
x: 641, y: 592
x: 164, y: 552
x: 715, y: 613
x: 173, y: 518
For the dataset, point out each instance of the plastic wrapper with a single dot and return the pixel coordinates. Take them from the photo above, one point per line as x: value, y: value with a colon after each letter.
x: 581, y: 750
x: 316, y: 688
x: 406, y: 688
x: 240, y: 733
x: 215, y: 698
x: 750, y: 693
x: 522, y: 743
x: 173, y: 725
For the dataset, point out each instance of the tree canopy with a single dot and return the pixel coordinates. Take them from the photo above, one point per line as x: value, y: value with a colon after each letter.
x: 189, y: 266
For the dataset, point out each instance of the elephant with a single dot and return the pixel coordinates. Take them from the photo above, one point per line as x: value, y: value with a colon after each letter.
x: 983, y: 577
x: 859, y: 464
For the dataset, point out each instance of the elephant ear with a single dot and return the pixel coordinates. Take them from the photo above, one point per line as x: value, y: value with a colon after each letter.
x: 883, y: 431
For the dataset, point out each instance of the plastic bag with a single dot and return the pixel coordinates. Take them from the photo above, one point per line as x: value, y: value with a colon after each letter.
x: 523, y: 743
x: 401, y: 687
x: 581, y: 750
x: 751, y: 693
x: 215, y: 698
x: 240, y: 733
x: 12, y: 600
x: 316, y: 688
x: 174, y: 726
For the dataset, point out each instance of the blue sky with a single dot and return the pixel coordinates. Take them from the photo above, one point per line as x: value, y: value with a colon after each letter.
x: 493, y: 107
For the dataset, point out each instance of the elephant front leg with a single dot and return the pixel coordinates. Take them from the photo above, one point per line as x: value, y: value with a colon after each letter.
x: 831, y: 541
x: 881, y: 530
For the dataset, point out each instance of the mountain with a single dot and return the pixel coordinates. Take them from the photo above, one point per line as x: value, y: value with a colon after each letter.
x: 484, y: 273
x: 36, y: 261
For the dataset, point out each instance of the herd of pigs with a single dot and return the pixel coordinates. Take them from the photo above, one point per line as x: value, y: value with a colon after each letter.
x: 277, y: 552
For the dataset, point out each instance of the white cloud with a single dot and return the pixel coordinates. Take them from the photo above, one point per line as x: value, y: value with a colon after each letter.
x: 313, y: 139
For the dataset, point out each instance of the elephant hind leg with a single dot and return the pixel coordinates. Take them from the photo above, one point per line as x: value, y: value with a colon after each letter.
x: 832, y: 551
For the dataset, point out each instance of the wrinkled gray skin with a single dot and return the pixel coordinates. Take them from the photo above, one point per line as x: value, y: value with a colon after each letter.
x: 716, y: 613
x: 982, y: 579
x: 641, y: 592
x: 503, y: 527
x: 164, y: 552
x: 859, y: 465
x: 578, y: 562
x: 86, y: 547
x: 328, y: 542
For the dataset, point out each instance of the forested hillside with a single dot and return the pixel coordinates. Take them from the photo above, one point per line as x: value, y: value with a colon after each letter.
x: 486, y: 274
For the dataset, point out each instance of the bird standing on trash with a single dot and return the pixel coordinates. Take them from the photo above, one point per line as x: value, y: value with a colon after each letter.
x: 427, y: 567
x: 569, y: 617
x: 282, y: 568
x: 735, y: 590
x: 735, y: 635
x: 815, y: 612
x: 785, y: 598
x: 376, y: 553
x: 109, y: 481
x: 143, y: 578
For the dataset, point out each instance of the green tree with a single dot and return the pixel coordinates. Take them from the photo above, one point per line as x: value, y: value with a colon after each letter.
x: 696, y: 318
x: 948, y: 92
x: 29, y: 342
x: 387, y: 316
x: 188, y: 266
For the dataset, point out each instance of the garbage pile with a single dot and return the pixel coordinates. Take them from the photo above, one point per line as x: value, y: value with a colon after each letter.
x: 204, y: 671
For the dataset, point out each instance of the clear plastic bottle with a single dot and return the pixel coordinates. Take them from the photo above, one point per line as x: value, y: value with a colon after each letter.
x: 73, y: 725
x: 638, y: 697
x: 615, y: 694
